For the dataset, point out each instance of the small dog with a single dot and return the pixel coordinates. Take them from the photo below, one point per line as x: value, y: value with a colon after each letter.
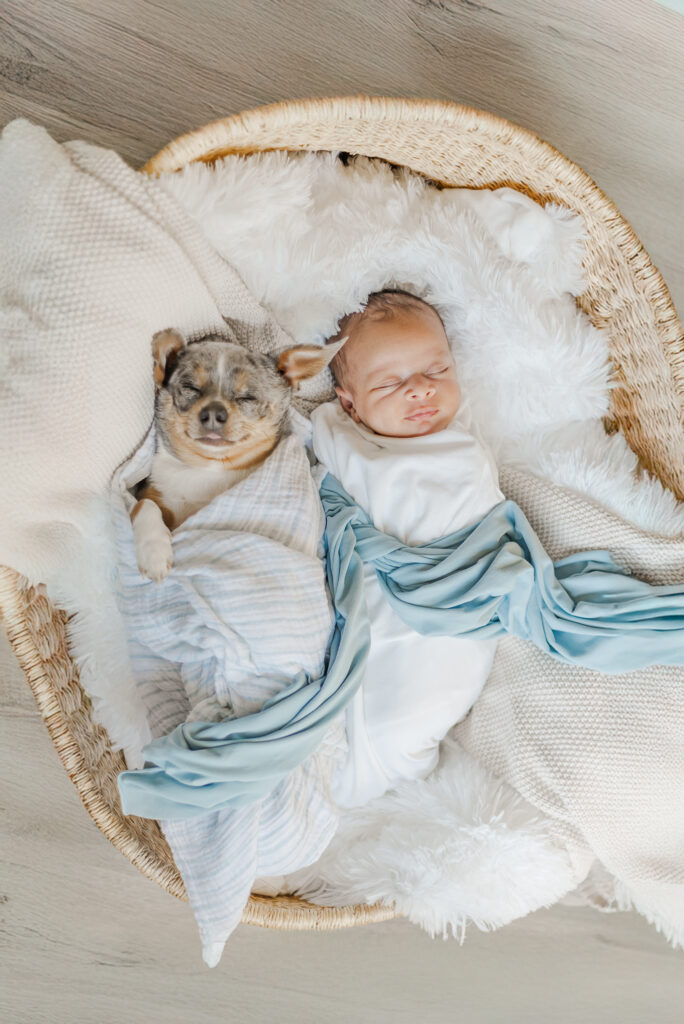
x: 220, y: 410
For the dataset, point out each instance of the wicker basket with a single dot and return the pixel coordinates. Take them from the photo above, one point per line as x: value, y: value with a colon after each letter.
x: 454, y: 145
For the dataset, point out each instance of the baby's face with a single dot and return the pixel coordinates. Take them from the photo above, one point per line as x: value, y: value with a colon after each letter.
x: 400, y: 378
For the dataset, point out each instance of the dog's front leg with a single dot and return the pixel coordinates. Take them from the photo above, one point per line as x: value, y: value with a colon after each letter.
x: 152, y: 539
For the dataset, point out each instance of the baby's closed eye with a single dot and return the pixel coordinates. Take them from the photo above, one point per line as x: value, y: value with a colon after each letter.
x: 395, y: 382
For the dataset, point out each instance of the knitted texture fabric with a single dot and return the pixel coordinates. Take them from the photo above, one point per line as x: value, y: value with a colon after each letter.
x: 603, y: 756
x: 95, y: 258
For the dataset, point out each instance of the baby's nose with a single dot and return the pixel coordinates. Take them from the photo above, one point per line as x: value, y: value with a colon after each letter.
x: 420, y: 387
x: 213, y: 415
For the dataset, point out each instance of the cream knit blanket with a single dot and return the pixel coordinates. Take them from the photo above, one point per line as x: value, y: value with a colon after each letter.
x: 95, y: 258
x: 603, y: 756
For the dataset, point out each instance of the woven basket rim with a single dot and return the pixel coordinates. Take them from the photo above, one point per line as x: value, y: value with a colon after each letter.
x: 231, y: 135
x: 359, y: 105
x: 216, y: 139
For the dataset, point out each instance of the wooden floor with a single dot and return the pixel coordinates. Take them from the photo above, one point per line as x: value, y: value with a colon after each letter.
x: 603, y: 82
x: 84, y: 938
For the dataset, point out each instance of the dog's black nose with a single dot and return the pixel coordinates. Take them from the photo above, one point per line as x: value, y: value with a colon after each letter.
x: 213, y: 415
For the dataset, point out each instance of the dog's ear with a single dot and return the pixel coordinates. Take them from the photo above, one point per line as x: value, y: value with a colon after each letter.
x: 165, y: 348
x: 305, y: 361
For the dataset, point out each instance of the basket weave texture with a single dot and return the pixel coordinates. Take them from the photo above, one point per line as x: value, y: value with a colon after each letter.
x: 455, y: 146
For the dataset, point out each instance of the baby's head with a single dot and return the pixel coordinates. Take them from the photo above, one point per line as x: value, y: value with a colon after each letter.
x: 395, y: 374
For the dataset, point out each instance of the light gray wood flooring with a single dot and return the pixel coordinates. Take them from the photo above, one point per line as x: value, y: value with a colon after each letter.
x: 602, y: 81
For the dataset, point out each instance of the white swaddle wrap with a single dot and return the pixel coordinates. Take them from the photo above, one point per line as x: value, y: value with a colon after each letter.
x: 416, y: 687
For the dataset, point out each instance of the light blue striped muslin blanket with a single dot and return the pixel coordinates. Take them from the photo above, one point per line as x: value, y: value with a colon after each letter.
x: 243, y: 613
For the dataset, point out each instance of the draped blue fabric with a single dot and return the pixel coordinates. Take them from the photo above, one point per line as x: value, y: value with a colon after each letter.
x: 487, y: 580
x: 495, y: 578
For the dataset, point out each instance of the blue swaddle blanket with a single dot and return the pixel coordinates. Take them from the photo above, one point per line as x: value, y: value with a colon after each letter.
x: 495, y: 578
x: 486, y: 580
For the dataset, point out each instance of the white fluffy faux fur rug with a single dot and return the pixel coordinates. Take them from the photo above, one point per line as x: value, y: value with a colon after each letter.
x: 312, y: 238
x: 456, y: 848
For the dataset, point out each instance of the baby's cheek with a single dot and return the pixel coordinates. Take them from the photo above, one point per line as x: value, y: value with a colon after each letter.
x: 392, y: 415
x: 453, y: 396
x: 373, y: 414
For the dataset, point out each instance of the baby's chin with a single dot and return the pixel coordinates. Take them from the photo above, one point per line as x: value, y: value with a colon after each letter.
x: 426, y: 428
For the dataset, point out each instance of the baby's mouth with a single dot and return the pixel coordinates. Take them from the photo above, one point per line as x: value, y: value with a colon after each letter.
x: 422, y: 414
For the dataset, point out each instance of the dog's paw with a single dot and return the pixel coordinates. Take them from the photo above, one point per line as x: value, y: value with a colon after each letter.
x: 155, y: 558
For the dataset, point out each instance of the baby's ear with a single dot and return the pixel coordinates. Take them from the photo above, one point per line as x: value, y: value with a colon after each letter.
x: 165, y: 348
x: 305, y: 361
x: 346, y: 400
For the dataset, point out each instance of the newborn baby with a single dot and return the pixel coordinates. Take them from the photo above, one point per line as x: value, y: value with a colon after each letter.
x: 399, y: 441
